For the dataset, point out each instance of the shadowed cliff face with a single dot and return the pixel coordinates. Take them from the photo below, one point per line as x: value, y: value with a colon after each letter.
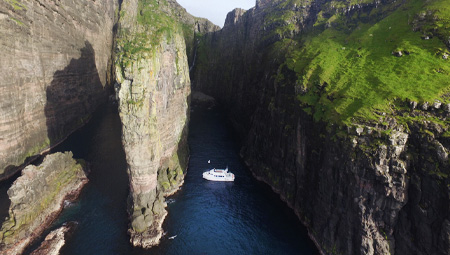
x: 46, y: 57
x: 368, y: 187
x: 73, y: 95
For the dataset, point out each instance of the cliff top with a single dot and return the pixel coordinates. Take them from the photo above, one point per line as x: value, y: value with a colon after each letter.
x: 365, y: 62
x: 145, y: 23
x: 234, y: 16
x: 352, y: 62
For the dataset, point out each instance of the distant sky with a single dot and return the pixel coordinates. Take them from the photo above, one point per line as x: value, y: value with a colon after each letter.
x: 215, y: 10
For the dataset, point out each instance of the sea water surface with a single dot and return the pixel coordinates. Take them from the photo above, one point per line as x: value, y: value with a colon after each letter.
x: 240, y: 217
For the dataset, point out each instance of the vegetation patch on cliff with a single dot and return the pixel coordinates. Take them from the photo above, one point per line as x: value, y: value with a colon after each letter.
x: 18, y: 6
x: 153, y: 24
x: 156, y: 20
x: 346, y: 75
x: 437, y: 19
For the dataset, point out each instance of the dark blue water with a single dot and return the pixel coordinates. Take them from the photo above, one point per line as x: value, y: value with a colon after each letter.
x: 243, y: 217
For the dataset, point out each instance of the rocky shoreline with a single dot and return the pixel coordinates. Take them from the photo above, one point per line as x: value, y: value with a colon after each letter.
x: 37, y: 198
x: 55, y: 240
x: 10, y: 172
x: 152, y: 236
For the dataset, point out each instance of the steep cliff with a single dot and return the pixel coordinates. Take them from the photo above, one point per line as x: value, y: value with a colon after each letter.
x: 55, y: 65
x: 342, y: 107
x: 37, y: 197
x: 154, y: 88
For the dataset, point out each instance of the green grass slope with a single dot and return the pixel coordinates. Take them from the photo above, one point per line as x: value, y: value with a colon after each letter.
x: 152, y: 25
x: 154, y: 21
x: 347, y: 72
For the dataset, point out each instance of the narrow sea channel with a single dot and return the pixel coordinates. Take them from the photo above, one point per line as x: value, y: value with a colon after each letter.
x: 243, y: 217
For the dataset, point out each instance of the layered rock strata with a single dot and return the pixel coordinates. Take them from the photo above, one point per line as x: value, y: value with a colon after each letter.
x: 37, y: 197
x: 55, y: 65
x: 154, y: 88
x: 360, y: 188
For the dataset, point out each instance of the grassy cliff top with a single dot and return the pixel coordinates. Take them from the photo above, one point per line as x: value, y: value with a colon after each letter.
x: 145, y: 24
x: 349, y: 68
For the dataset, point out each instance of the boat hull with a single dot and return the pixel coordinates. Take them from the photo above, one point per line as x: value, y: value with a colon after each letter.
x: 209, y: 178
x: 218, y: 176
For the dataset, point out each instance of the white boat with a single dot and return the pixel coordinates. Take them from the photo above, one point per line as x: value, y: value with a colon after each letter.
x: 218, y: 175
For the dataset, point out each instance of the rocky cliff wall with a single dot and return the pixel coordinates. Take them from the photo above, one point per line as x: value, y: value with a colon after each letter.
x: 154, y: 89
x: 55, y: 65
x: 361, y: 186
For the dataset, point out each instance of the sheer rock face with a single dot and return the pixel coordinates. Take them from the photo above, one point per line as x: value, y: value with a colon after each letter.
x: 154, y: 88
x: 234, y: 16
x: 355, y: 195
x: 154, y: 112
x: 55, y: 64
x: 37, y: 197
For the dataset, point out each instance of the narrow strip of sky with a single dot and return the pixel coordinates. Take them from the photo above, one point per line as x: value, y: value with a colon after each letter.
x: 215, y: 10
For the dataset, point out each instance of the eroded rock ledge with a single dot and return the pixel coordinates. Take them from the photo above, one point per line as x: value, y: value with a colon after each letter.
x: 37, y: 197
x: 55, y: 240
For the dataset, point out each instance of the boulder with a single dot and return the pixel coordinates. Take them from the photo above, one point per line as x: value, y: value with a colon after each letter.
x: 413, y: 105
x: 397, y: 53
x: 447, y: 107
x: 437, y: 104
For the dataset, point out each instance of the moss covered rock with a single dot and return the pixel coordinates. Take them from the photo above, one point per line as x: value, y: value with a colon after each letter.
x: 37, y: 197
